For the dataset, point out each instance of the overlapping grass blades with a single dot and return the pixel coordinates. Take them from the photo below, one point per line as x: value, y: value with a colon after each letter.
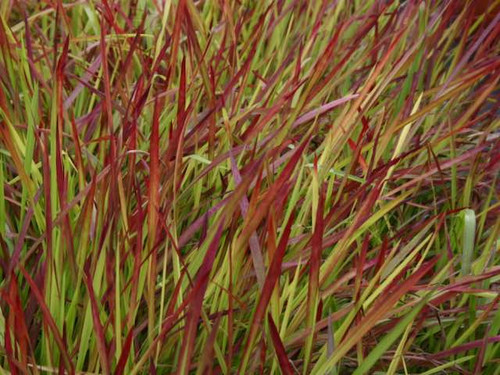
x: 248, y: 186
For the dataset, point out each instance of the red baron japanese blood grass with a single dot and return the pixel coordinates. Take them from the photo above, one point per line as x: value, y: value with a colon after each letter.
x: 239, y: 187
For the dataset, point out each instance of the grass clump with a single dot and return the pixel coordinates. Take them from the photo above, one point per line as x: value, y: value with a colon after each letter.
x: 249, y: 187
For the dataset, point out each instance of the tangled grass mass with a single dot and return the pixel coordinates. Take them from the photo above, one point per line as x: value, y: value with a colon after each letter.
x: 249, y: 187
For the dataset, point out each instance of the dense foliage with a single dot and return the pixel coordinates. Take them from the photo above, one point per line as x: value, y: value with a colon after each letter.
x: 271, y: 186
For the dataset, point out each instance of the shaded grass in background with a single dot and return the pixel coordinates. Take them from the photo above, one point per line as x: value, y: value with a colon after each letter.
x: 249, y: 187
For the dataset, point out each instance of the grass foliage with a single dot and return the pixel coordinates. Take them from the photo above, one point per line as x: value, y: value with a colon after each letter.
x: 223, y: 187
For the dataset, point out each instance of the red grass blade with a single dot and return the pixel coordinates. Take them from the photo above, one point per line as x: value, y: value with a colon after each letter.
x: 99, y: 330
x: 283, y: 360
x: 271, y: 279
x: 196, y: 300
x: 49, y: 320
